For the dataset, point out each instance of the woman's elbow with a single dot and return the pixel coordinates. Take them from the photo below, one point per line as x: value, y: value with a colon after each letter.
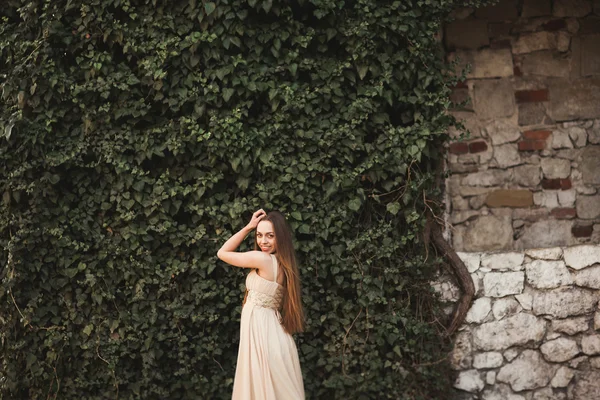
x: 220, y: 254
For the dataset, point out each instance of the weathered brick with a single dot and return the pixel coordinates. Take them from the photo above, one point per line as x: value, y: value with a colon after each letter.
x: 532, y: 145
x: 536, y: 135
x: 531, y: 96
x: 551, y: 184
x: 477, y: 147
x: 510, y: 198
x: 458, y: 148
x: 582, y: 230
x: 565, y: 184
x: 563, y: 213
x: 555, y: 25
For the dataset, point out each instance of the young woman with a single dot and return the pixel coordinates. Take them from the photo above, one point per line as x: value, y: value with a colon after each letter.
x: 268, y: 367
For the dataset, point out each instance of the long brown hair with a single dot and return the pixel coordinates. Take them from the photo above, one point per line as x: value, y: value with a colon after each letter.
x: 292, y: 312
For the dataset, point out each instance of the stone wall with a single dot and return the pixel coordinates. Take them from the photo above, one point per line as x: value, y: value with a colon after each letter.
x: 529, y: 174
x: 533, y: 331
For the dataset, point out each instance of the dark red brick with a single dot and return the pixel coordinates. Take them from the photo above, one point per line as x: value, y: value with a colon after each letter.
x: 555, y: 25
x: 563, y: 213
x: 565, y: 184
x: 536, y: 135
x: 532, y: 145
x: 582, y: 230
x: 458, y: 148
x: 477, y: 147
x: 551, y: 184
x: 531, y: 96
x: 461, y: 85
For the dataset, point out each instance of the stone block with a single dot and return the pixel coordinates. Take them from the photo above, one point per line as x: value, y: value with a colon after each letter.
x: 516, y: 330
x: 588, y: 207
x: 551, y: 253
x: 563, y: 41
x: 562, y: 377
x: 486, y: 178
x: 594, y: 132
x: 544, y: 274
x: 546, y: 233
x: 488, y: 233
x: 479, y: 310
x: 530, y: 42
x: 461, y: 355
x: 586, y: 387
x: 533, y: 114
x: 485, y: 63
x: 493, y: 99
x: 509, y: 261
x: 501, y: 392
x: 510, y: 198
x: 574, y: 99
x: 566, y: 198
x: 559, y: 350
x: 545, y: 63
x: 580, y: 257
x: 572, y: 8
x: 590, y: 344
x: 528, y: 371
x: 571, y: 326
x: 502, y: 11
x: 561, y: 140
x: 590, y: 165
x: 469, y: 381
x: 500, y: 284
x: 546, y: 199
x: 556, y: 168
x: 507, y: 155
x: 505, y: 306
x: 536, y: 8
x: 527, y: 175
x: 588, y: 277
x: 590, y: 55
x: 470, y: 34
x: 589, y: 25
x: 471, y: 260
x: 501, y: 132
x: 564, y: 302
x: 491, y: 359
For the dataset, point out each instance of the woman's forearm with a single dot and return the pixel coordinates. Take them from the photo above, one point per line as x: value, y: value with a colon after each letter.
x: 234, y: 242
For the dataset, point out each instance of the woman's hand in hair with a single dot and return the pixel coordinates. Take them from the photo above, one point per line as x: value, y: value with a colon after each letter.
x: 256, y: 217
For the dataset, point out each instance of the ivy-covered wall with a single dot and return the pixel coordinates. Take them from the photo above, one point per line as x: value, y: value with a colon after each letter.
x: 138, y: 135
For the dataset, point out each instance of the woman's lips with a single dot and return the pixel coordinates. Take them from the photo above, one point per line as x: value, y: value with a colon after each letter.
x: 265, y: 248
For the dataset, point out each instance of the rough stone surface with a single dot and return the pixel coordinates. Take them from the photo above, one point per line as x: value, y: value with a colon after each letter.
x: 492, y: 359
x: 590, y: 344
x: 511, y: 331
x: 544, y: 274
x: 548, y: 199
x: 486, y: 178
x: 552, y: 253
x: 590, y: 165
x: 559, y: 350
x: 548, y: 394
x: 470, y: 34
x: 588, y: 207
x: 500, y: 284
x: 507, y: 155
x: 490, y: 377
x: 561, y: 140
x: 590, y: 56
x: 528, y: 371
x: 479, y: 310
x: 461, y: 356
x: 531, y: 42
x: 488, y: 233
x: 528, y: 175
x: 509, y: 261
x: 469, y: 381
x: 536, y: 8
x: 471, y: 260
x: 533, y: 114
x: 486, y: 63
x: 505, y: 306
x: 573, y: 100
x: 545, y: 63
x: 586, y: 386
x: 511, y: 354
x: 572, y: 8
x: 525, y: 300
x: 501, y: 131
x: 588, y: 277
x: 579, y: 257
x: 546, y: 233
x: 493, y: 99
x: 556, y: 168
x: 571, y: 326
x: 563, y: 302
x: 501, y: 392
x: 562, y: 377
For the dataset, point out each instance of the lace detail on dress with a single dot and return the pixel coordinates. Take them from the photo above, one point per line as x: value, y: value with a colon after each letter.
x: 264, y: 300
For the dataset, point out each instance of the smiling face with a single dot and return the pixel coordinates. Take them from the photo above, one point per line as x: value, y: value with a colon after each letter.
x: 265, y: 237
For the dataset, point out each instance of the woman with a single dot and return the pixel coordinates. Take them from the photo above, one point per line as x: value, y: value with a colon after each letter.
x: 268, y: 367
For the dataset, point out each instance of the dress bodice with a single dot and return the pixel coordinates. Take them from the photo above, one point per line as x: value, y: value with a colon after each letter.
x: 263, y: 292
